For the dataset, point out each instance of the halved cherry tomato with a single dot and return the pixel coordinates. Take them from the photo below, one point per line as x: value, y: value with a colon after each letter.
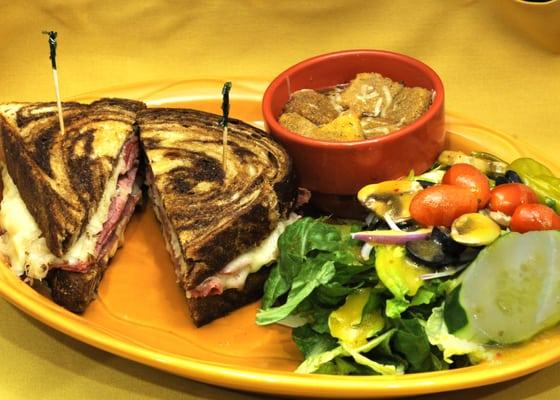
x: 440, y: 205
x: 470, y: 177
x: 534, y: 217
x: 506, y: 198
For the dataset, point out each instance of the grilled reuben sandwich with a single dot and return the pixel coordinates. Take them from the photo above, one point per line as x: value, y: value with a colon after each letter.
x: 67, y: 197
x: 220, y: 224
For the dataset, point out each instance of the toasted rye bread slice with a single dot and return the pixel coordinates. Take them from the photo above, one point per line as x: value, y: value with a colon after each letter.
x: 210, y: 216
x: 61, y: 177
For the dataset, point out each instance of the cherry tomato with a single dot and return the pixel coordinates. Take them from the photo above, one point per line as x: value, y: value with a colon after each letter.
x: 440, y: 205
x: 470, y: 177
x: 506, y: 198
x: 534, y: 217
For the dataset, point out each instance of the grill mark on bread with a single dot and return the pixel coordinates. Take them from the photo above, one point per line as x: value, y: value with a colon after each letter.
x: 83, y: 179
x: 150, y: 143
x: 201, y: 211
x: 41, y: 151
x: 180, y: 181
x: 35, y: 111
x: 80, y: 168
x: 85, y: 173
x: 202, y: 168
x: 242, y: 153
x: 207, y: 169
x: 175, y: 154
x: 88, y: 147
x: 272, y: 159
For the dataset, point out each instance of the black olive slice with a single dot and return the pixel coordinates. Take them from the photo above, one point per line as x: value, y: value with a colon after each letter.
x: 468, y: 255
x: 428, y: 252
x: 442, y: 235
x: 409, y: 225
x: 425, y: 184
x: 509, y: 177
x: 513, y: 177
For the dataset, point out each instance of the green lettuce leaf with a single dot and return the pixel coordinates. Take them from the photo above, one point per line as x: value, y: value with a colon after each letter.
x: 317, y: 261
x: 451, y: 345
x: 311, y: 342
x: 299, y: 239
x: 411, y: 342
x: 314, y: 274
x: 314, y: 362
x: 396, y: 306
x: 400, y: 276
x: 381, y: 369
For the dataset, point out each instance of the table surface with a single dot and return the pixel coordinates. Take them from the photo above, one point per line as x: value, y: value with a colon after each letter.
x: 493, y: 72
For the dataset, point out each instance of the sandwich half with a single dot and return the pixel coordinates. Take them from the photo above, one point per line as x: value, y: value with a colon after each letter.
x: 67, y: 198
x: 220, y: 224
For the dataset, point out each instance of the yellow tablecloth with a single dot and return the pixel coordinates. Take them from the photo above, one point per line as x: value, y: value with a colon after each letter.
x: 493, y: 72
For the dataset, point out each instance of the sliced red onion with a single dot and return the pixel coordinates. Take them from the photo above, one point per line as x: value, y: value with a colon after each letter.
x: 366, y: 250
x: 391, y: 236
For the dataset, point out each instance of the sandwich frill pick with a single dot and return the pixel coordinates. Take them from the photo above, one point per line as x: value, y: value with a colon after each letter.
x: 224, y: 122
x: 52, y: 46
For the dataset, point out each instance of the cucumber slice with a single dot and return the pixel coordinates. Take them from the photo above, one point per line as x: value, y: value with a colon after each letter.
x: 512, y: 289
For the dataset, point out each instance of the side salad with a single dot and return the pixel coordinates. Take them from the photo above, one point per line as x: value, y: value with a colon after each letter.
x: 449, y: 266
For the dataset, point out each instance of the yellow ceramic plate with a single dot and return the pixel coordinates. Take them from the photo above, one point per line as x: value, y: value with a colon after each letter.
x: 141, y: 314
